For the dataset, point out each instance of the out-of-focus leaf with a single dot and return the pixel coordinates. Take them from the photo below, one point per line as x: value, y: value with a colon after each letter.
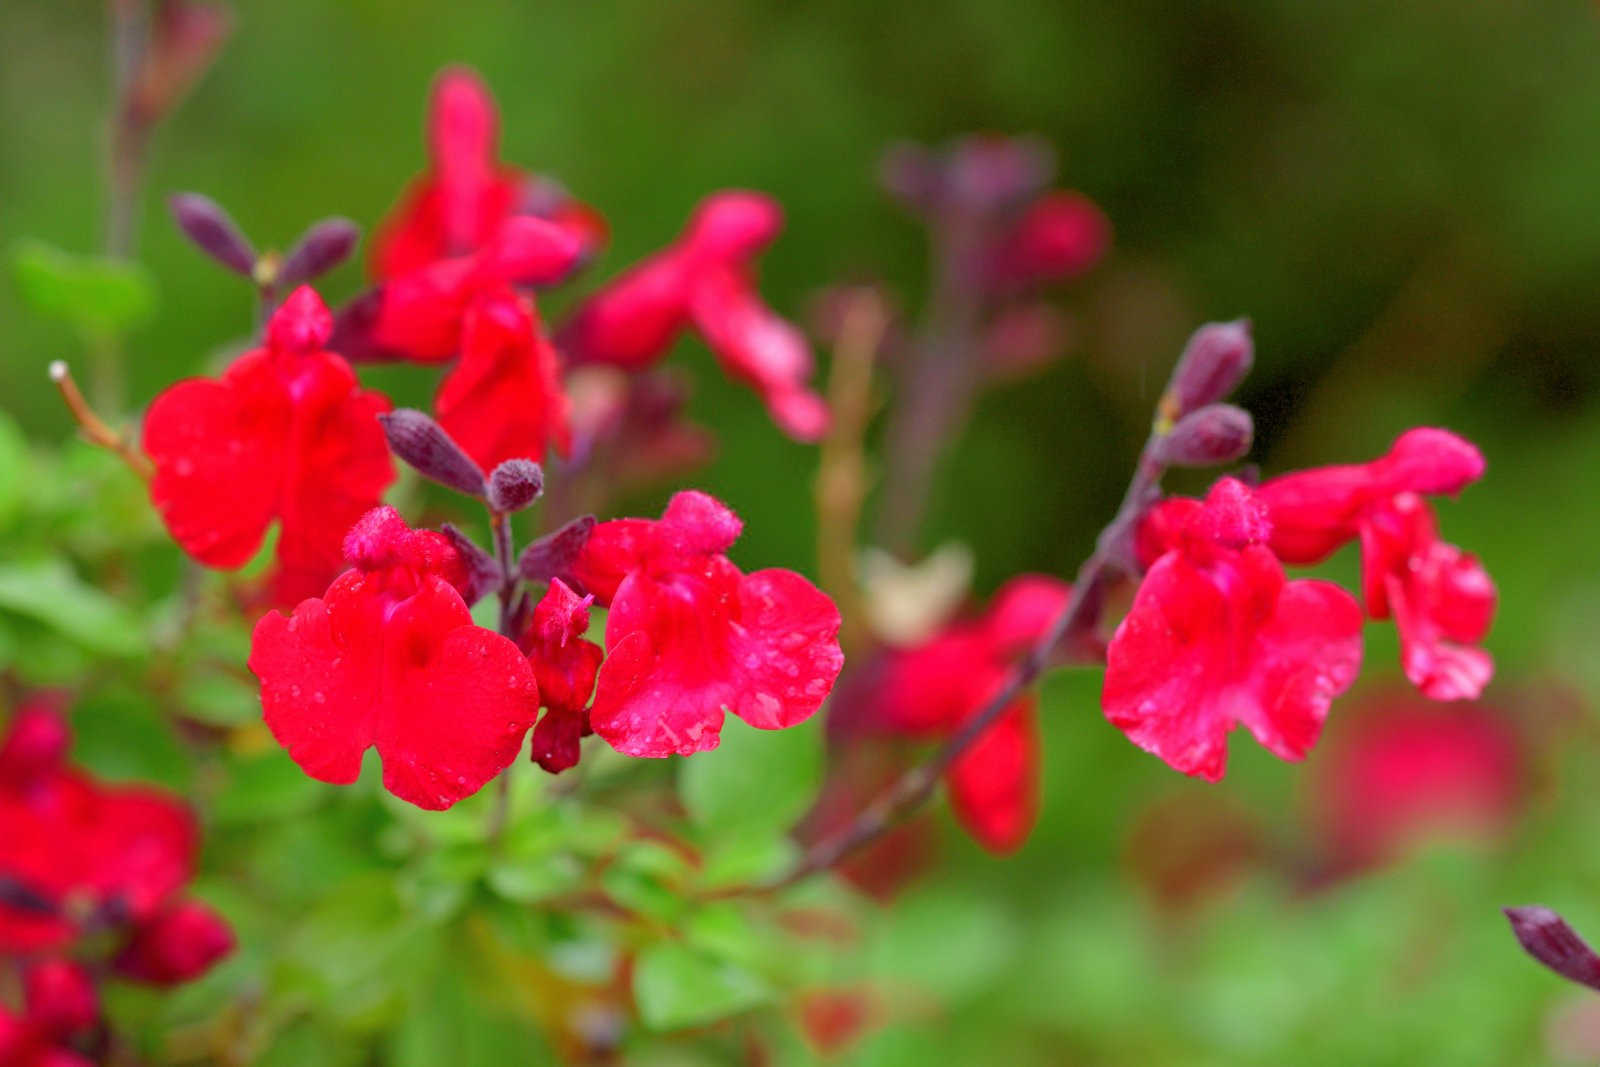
x: 951, y: 943
x: 739, y: 859
x: 14, y: 472
x: 121, y: 734
x: 675, y: 986
x: 219, y: 698
x: 754, y: 780
x: 451, y: 1022
x: 97, y: 295
x: 265, y: 788
x: 48, y: 590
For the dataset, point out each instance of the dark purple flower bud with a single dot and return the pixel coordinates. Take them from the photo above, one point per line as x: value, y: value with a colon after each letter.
x: 1214, y: 435
x: 209, y: 229
x: 1547, y: 938
x: 910, y: 174
x: 553, y: 555
x: 1215, y: 360
x: 986, y: 172
x: 422, y: 443
x: 483, y: 573
x: 515, y: 484
x: 320, y: 249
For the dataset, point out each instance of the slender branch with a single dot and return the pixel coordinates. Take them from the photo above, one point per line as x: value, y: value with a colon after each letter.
x: 842, y: 472
x: 505, y: 555
x: 94, y: 428
x: 913, y: 787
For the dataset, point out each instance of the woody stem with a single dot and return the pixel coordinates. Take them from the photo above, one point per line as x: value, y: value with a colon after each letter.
x: 93, y: 426
x: 911, y: 789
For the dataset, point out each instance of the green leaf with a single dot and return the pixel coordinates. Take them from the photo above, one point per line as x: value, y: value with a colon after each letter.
x: 675, y: 987
x: 97, y: 295
x: 220, y: 698
x: 48, y: 590
x: 265, y: 788
x: 14, y: 464
x: 755, y: 781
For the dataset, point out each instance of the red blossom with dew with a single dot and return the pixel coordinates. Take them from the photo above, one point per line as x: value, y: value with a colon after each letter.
x: 389, y: 658
x: 688, y: 634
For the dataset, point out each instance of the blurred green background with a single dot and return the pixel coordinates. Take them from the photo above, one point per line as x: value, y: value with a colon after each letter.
x: 1401, y: 195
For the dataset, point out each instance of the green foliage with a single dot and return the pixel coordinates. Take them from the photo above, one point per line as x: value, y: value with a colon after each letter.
x: 100, y: 297
x: 677, y: 987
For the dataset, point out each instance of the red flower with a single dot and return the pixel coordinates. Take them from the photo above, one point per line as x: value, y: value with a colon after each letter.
x: 935, y: 687
x: 1060, y: 235
x: 1404, y: 770
x: 176, y: 946
x: 689, y: 634
x: 1441, y: 598
x: 286, y: 433
x: 565, y: 665
x: 503, y: 399
x: 456, y: 208
x: 703, y: 280
x: 74, y: 851
x: 389, y: 658
x: 1216, y: 637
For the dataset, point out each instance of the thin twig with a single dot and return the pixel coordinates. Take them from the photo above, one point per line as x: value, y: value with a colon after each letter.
x: 505, y: 555
x: 913, y: 787
x: 841, y: 484
x: 94, y: 427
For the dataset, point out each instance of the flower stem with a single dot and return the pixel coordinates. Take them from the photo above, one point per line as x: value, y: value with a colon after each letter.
x: 1111, y: 557
x: 505, y: 555
x: 94, y: 427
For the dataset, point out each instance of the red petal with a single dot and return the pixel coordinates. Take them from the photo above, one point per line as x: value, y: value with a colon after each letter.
x: 557, y: 740
x: 336, y: 471
x: 564, y: 663
x: 758, y: 348
x: 731, y: 227
x: 696, y: 524
x: 219, y: 450
x: 1308, y: 654
x: 503, y: 399
x: 632, y: 320
x: 60, y: 997
x: 614, y: 550
x: 994, y: 785
x: 321, y: 676
x: 785, y: 649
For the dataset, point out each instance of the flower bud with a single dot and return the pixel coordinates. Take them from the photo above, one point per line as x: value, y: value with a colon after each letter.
x: 60, y: 998
x: 553, y: 555
x: 35, y: 745
x: 320, y: 249
x: 1215, y: 360
x: 1546, y: 937
x: 515, y: 484
x: 208, y: 228
x: 423, y: 444
x: 1214, y: 435
x: 180, y: 944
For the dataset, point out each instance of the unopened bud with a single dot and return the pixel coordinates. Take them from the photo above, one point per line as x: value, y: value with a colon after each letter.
x: 1210, y: 437
x: 1215, y: 360
x: 1546, y: 937
x: 515, y: 484
x: 553, y: 555
x: 36, y: 743
x: 423, y: 444
x: 208, y: 228
x: 176, y: 946
x: 320, y: 249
